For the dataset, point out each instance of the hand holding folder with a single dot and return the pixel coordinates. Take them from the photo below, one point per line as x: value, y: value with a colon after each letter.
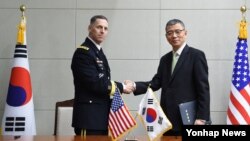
x: 188, y: 112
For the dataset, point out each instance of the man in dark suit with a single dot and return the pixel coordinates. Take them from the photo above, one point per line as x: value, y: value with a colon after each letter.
x: 93, y: 85
x: 183, y: 76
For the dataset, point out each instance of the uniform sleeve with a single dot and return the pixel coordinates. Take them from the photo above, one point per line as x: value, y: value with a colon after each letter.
x: 113, y: 86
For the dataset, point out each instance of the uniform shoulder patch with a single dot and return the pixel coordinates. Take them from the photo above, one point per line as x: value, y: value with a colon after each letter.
x: 84, y: 47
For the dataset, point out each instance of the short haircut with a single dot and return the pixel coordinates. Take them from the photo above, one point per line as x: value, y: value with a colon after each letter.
x: 173, y: 22
x: 94, y: 18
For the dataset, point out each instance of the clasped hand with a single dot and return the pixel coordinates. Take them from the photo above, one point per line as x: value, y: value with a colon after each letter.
x: 129, y: 86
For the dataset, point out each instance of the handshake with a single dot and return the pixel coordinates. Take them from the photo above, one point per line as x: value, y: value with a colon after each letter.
x: 128, y: 86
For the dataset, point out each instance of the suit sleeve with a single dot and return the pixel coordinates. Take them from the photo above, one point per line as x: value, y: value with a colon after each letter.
x: 154, y: 84
x: 202, y: 85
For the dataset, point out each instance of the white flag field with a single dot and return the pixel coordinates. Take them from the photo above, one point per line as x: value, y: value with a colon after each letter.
x: 151, y: 114
x: 18, y: 117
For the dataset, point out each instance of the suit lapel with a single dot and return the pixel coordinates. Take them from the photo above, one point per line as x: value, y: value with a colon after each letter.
x: 178, y: 65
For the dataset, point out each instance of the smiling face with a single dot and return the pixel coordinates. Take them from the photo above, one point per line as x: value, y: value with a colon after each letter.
x: 98, y: 30
x: 176, y: 35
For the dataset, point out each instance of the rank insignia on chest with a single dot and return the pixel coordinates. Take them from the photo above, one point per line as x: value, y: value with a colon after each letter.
x: 101, y: 75
x: 99, y: 63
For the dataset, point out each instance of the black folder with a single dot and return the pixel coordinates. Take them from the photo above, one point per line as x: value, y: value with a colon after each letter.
x: 188, y: 112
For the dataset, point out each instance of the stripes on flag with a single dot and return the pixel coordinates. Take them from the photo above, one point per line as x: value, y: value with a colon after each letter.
x: 238, y: 112
x: 120, y: 120
x: 20, y: 51
x: 15, y: 124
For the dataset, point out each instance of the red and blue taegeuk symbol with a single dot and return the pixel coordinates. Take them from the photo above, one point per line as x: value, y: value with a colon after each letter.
x: 151, y: 115
x: 19, y: 92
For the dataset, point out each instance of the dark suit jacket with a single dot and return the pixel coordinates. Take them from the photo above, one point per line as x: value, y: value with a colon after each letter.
x: 92, y: 83
x: 189, y: 81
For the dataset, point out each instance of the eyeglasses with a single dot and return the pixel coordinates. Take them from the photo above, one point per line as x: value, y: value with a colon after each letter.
x: 177, y: 32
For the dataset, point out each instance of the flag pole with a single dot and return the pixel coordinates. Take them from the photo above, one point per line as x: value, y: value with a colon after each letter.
x: 238, y: 109
x: 134, y: 139
x: 21, y: 27
x: 20, y: 40
x: 22, y: 9
x: 243, y: 23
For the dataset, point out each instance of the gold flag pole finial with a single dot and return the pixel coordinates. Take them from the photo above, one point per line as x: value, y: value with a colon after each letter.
x: 21, y: 39
x: 243, y: 10
x: 22, y: 9
x: 243, y: 23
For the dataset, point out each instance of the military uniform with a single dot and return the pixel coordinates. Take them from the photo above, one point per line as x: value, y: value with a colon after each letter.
x: 93, y: 87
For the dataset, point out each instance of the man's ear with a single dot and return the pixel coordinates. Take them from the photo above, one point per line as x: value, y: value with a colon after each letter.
x: 89, y: 28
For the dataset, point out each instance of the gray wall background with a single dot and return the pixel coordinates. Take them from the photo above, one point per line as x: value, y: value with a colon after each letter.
x: 134, y: 45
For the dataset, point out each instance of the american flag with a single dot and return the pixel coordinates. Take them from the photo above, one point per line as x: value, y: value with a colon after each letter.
x: 120, y: 120
x: 238, y: 112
